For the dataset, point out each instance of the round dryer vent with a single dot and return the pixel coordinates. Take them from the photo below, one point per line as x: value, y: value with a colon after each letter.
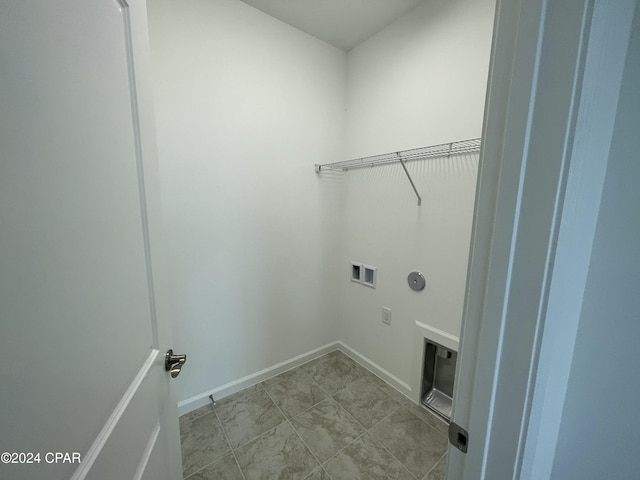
x: 416, y: 281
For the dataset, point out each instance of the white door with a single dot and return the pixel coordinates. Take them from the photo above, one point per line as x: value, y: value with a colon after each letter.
x: 83, y: 329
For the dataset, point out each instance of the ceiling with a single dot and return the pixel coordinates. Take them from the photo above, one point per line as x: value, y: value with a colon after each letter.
x: 342, y: 23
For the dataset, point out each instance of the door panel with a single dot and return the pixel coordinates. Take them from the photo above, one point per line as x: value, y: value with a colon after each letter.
x: 77, y: 296
x: 141, y: 407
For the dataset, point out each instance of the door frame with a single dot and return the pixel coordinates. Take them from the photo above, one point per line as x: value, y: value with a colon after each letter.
x: 554, y: 82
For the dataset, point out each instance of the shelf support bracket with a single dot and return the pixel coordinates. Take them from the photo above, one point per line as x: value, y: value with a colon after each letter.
x: 410, y: 180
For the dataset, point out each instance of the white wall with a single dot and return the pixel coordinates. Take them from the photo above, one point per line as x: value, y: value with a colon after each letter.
x: 421, y: 81
x: 245, y: 106
x: 599, y: 432
x: 259, y: 245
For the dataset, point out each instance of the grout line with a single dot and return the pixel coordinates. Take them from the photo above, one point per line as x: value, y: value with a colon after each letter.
x: 260, y: 434
x: 195, y: 418
x: 299, y: 371
x: 362, y: 435
x: 329, y: 398
x: 343, y: 448
x: 402, y: 404
x: 238, y: 464
x: 210, y: 463
x: 319, y: 360
x: 202, y: 468
x: 365, y: 430
x: 286, y: 419
x: 299, y: 436
x: 398, y: 407
x: 347, y: 412
x: 298, y: 368
x: 432, y: 427
x: 312, y: 406
x: 435, y: 464
x: 323, y: 389
x: 381, y: 446
x: 226, y: 437
x: 261, y: 387
x: 425, y: 411
x: 355, y: 419
x: 384, y: 447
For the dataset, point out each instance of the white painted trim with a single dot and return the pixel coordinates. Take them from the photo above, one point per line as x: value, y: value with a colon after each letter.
x: 519, y: 210
x: 376, y: 369
x: 443, y: 338
x: 603, y: 73
x: 137, y: 137
x: 229, y: 388
x: 98, y: 444
x: 142, y: 466
x: 200, y: 400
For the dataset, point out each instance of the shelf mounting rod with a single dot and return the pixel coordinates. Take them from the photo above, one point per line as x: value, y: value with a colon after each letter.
x: 409, y: 177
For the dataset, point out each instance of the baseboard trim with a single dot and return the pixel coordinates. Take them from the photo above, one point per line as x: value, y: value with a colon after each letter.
x: 200, y: 400
x: 376, y: 369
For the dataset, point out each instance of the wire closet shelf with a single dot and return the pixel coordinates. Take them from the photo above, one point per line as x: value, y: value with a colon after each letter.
x: 433, y: 151
x: 403, y: 156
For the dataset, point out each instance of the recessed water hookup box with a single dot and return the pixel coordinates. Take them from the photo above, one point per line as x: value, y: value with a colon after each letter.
x: 356, y: 272
x: 369, y: 276
x: 438, y: 376
x: 364, y: 274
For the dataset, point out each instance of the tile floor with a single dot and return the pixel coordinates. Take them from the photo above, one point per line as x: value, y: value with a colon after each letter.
x: 329, y: 419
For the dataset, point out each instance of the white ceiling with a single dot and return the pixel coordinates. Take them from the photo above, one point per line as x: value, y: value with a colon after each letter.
x: 342, y: 23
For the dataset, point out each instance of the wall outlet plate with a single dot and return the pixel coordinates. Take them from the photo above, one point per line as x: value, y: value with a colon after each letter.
x: 386, y: 315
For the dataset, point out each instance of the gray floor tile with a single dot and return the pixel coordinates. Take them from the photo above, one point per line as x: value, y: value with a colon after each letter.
x: 366, y: 460
x: 203, y: 442
x: 326, y: 428
x: 224, y: 469
x: 238, y: 396
x: 404, y: 439
x: 335, y: 374
x: 439, y: 472
x: 318, y: 474
x: 199, y: 412
x: 417, y: 445
x: 335, y: 354
x: 311, y: 366
x: 249, y: 417
x: 365, y: 402
x: 424, y: 414
x: 277, y: 454
x: 296, y: 394
x: 294, y: 372
x: 346, y: 359
x: 361, y: 372
x: 385, y: 387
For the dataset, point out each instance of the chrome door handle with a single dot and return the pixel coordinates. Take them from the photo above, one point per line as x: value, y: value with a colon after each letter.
x: 173, y: 363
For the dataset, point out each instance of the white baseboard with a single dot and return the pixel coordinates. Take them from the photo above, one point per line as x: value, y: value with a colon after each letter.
x: 197, y: 401
x: 376, y: 369
x: 200, y: 400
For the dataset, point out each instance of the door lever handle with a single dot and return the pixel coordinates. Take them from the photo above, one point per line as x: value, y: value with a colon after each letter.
x: 173, y: 363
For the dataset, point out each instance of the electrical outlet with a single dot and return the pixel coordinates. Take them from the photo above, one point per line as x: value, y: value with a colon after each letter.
x: 386, y: 315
